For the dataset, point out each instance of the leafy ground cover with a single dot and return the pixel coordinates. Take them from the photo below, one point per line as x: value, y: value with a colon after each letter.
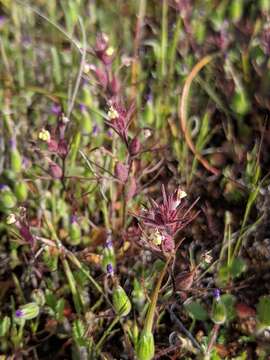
x: 134, y: 179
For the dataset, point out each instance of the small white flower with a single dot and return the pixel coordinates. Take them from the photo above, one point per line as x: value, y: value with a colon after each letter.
x: 110, y: 51
x: 156, y: 237
x: 11, y: 219
x: 44, y: 135
x: 113, y: 113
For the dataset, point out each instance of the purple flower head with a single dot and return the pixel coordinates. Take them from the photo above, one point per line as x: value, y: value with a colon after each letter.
x: 56, y: 109
x: 170, y: 215
x: 3, y: 187
x: 18, y: 313
x: 162, y: 221
x: 110, y: 270
x: 216, y: 294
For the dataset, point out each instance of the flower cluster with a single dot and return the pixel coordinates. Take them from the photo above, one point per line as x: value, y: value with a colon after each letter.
x: 162, y: 221
x: 120, y: 119
x: 21, y: 223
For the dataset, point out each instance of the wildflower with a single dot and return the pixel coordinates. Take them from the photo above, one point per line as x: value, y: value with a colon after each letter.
x: 102, y: 49
x: 120, y: 119
x: 113, y: 113
x: 27, y: 312
x: 11, y: 219
x: 219, y: 314
x: 44, y: 135
x: 110, y: 270
x: 110, y: 51
x: 166, y: 218
x: 56, y: 109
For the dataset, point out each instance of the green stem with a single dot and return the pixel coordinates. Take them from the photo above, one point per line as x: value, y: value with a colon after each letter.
x: 107, y: 332
x: 154, y: 298
x: 72, y: 286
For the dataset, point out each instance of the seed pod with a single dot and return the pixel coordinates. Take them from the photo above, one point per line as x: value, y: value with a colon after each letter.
x: 146, y: 346
x: 108, y: 257
x: 219, y: 315
x: 15, y: 157
x: 50, y: 258
x: 121, y: 302
x: 236, y: 10
x: 27, y: 312
x: 85, y: 121
x: 240, y: 103
x: 149, y: 115
x: 38, y: 297
x: 265, y: 5
x: 7, y: 199
x: 74, y: 231
x: 21, y: 191
x: 134, y: 146
x: 4, y: 326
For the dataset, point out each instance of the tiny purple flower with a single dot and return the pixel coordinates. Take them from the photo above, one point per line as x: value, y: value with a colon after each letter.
x: 18, y: 313
x: 82, y: 107
x: 96, y: 130
x: 110, y: 269
x: 56, y: 109
x: 109, y: 244
x: 216, y: 294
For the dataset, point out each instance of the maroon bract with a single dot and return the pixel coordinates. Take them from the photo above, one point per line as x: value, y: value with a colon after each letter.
x: 120, y: 119
x: 162, y: 221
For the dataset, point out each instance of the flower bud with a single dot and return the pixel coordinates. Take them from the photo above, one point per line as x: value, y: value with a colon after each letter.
x: 21, y: 191
x: 74, y: 231
x: 108, y: 256
x: 38, y: 297
x: 55, y: 170
x: 27, y: 312
x: 219, y: 315
x: 4, y: 326
x: 7, y: 199
x: 121, y: 302
x: 121, y: 172
x: 146, y: 346
x: 134, y: 146
x: 15, y: 157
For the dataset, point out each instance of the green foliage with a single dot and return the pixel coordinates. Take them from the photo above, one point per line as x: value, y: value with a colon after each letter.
x: 196, y: 310
x: 263, y: 311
